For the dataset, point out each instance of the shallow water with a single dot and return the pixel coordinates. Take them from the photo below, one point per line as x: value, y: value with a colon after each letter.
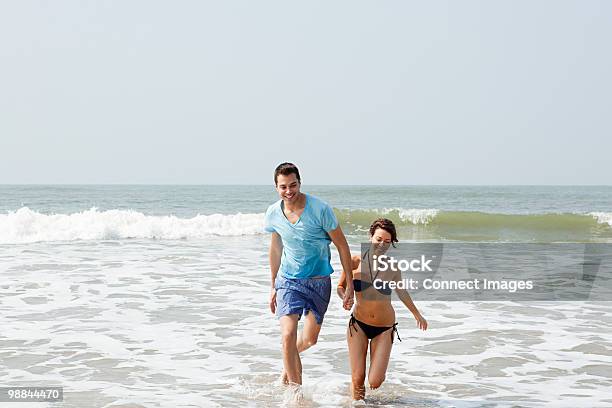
x: 184, y: 323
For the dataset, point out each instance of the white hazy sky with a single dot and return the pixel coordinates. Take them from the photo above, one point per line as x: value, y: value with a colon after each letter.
x: 354, y: 92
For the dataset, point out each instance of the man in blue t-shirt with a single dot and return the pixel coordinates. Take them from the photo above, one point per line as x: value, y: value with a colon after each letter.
x: 302, y: 228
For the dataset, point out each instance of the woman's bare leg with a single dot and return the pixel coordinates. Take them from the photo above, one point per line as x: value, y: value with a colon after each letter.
x: 380, y: 351
x: 358, y: 349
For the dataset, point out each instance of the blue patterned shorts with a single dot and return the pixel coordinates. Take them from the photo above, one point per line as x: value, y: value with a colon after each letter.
x: 298, y: 296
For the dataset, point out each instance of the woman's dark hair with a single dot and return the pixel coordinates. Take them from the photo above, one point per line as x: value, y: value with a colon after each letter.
x: 286, y: 169
x: 387, y: 225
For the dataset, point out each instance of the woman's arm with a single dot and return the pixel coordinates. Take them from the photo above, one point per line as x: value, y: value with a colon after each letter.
x: 407, y: 301
x: 340, y: 290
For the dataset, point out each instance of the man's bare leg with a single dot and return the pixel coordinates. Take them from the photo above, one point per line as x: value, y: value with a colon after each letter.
x: 306, y: 338
x: 291, y: 357
x: 309, y: 335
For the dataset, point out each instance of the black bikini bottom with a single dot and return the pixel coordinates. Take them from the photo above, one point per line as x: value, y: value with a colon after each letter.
x: 371, y: 331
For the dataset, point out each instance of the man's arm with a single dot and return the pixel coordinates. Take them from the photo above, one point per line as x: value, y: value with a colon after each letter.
x: 342, y: 281
x: 276, y: 251
x: 339, y: 240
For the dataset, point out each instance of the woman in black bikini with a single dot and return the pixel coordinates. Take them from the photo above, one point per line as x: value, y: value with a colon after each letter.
x: 373, y: 317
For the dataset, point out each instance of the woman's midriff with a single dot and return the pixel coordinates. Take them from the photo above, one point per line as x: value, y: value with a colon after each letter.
x: 375, y: 312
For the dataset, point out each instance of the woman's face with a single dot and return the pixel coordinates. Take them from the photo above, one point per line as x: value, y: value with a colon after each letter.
x: 380, y: 240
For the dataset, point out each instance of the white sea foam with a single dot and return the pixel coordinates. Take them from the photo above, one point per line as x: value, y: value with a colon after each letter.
x: 602, y: 217
x: 26, y: 226
x: 119, y: 323
x: 414, y: 215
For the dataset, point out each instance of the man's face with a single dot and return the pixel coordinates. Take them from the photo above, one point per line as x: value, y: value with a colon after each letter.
x: 288, y: 187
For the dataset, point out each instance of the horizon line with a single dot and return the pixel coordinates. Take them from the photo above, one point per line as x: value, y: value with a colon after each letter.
x: 303, y: 185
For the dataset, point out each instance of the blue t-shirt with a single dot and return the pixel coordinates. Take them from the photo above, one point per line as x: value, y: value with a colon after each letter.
x: 305, y: 243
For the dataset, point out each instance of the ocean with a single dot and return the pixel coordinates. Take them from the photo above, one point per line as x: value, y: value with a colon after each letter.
x: 156, y: 296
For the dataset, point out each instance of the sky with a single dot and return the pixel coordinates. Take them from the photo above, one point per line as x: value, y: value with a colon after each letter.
x: 353, y: 92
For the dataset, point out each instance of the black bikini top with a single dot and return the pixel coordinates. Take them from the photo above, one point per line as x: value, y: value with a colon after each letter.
x: 361, y: 285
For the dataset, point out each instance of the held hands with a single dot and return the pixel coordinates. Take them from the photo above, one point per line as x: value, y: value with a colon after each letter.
x: 421, y: 322
x: 273, y: 300
x: 349, y: 298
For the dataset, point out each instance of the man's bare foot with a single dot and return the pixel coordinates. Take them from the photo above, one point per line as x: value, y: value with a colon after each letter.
x: 284, y: 379
x: 293, y: 395
x: 358, y: 392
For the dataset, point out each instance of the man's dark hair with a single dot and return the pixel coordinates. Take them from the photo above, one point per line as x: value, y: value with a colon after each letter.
x: 286, y: 169
x: 387, y: 225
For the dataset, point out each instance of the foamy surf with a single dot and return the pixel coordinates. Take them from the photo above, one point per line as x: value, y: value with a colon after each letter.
x: 602, y: 217
x: 414, y: 216
x: 166, y: 323
x: 27, y: 226
x: 442, y: 225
